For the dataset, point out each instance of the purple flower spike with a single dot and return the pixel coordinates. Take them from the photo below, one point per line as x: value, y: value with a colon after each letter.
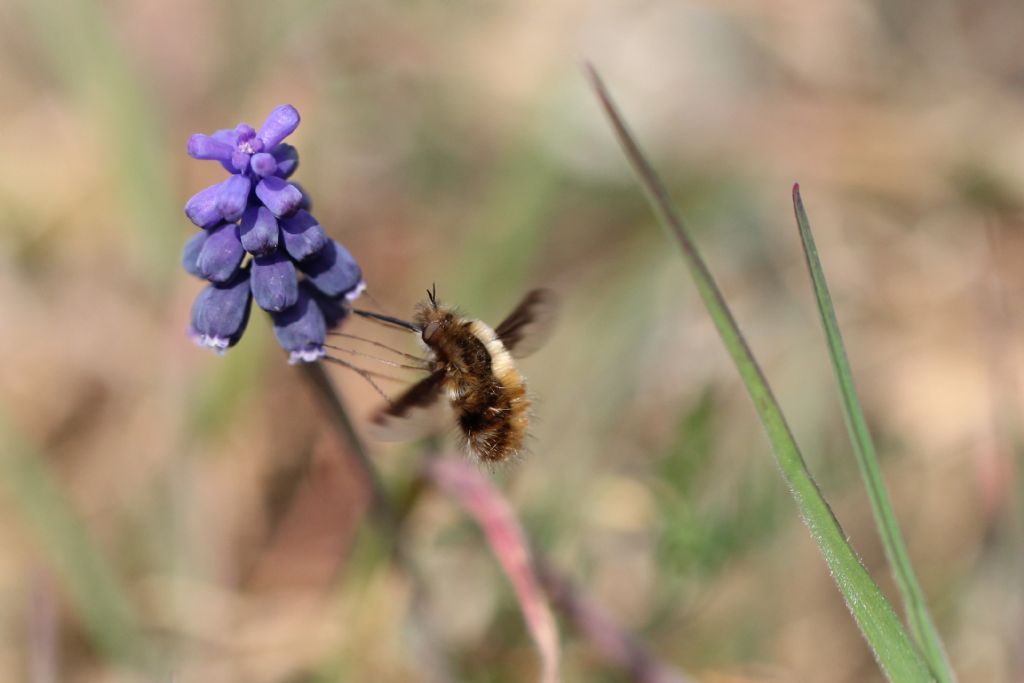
x: 247, y: 141
x: 233, y: 196
x: 279, y: 196
x: 228, y: 135
x: 301, y: 329
x: 190, y: 254
x: 258, y: 211
x: 275, y: 285
x: 202, y: 209
x: 221, y: 254
x: 287, y: 158
x: 333, y: 271
x: 207, y: 147
x: 333, y: 308
x: 220, y: 313
x: 303, y: 237
x: 357, y: 291
x: 258, y: 230
x: 239, y: 162
x: 263, y: 164
x: 281, y: 123
x: 307, y: 201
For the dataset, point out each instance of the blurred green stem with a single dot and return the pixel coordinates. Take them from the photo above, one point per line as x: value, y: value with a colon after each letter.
x: 99, y: 599
x: 896, y: 653
x: 921, y: 625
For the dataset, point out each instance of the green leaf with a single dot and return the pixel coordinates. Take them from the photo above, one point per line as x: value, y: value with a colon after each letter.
x: 921, y: 626
x: 896, y: 653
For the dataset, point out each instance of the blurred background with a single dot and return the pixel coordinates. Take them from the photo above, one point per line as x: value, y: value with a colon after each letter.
x: 150, y: 490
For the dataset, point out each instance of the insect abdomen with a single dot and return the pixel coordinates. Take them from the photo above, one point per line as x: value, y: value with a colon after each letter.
x: 493, y: 420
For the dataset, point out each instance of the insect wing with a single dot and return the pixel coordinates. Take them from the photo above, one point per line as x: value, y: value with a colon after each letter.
x: 413, y: 414
x: 530, y: 324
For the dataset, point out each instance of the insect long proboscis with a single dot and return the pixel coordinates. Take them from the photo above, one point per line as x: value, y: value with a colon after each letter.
x: 380, y: 317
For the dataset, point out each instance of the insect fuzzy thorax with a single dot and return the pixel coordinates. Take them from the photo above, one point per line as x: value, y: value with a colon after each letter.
x: 470, y: 364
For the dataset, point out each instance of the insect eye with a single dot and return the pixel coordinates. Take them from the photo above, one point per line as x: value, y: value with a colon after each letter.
x: 429, y: 331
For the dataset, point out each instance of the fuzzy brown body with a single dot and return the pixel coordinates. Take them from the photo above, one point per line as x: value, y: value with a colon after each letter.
x: 480, y: 380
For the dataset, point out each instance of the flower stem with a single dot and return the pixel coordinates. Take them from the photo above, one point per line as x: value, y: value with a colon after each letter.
x: 382, y: 511
x: 384, y: 515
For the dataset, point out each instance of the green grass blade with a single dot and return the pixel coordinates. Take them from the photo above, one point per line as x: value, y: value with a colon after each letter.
x: 921, y: 626
x: 104, y: 608
x: 896, y: 653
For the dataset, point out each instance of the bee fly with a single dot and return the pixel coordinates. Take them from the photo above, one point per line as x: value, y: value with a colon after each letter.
x: 471, y: 365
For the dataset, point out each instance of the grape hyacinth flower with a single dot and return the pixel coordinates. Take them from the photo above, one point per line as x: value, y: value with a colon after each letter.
x: 257, y: 238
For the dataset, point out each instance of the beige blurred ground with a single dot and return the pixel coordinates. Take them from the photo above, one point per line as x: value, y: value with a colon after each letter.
x: 457, y: 143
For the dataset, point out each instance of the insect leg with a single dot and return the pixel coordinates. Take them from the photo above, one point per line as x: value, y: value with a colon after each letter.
x: 368, y: 375
x: 375, y: 343
x: 385, y: 361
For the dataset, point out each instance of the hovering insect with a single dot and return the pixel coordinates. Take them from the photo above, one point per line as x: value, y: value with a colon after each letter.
x: 471, y: 365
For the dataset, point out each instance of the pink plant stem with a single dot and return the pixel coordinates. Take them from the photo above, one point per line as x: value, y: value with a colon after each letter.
x: 42, y: 629
x: 597, y: 626
x: 464, y: 483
